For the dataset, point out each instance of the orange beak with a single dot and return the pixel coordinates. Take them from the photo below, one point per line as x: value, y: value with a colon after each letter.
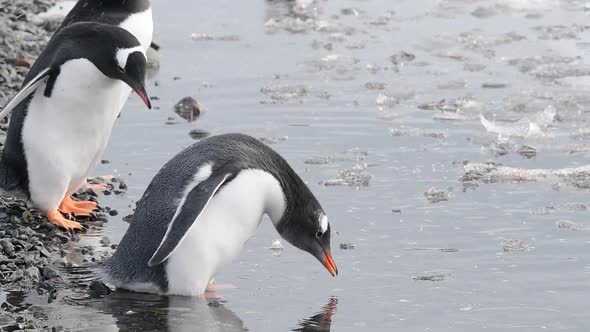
x: 329, y: 264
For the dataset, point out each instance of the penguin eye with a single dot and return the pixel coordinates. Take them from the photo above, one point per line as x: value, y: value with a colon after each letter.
x: 319, y: 234
x: 121, y: 69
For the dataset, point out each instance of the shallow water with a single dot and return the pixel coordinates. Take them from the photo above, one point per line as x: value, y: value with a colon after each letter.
x: 496, y: 255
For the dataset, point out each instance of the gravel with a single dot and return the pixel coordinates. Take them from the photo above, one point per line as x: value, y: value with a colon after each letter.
x: 32, y: 249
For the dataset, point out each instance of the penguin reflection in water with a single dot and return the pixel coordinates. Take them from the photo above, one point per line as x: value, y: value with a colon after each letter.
x: 63, y: 115
x: 203, y: 206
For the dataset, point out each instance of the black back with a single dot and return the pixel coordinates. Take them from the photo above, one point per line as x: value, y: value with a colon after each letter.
x: 230, y: 154
x: 104, y: 11
x: 93, y: 41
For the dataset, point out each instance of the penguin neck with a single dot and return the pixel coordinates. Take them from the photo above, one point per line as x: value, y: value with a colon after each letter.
x: 271, y: 194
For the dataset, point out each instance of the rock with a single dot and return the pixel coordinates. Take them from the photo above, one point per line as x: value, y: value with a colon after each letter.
x: 7, y: 247
x: 433, y: 276
x: 33, y: 273
x: 198, y: 134
x: 17, y: 275
x: 97, y: 289
x: 347, y: 246
x: 105, y: 241
x: 188, y: 108
x: 50, y: 273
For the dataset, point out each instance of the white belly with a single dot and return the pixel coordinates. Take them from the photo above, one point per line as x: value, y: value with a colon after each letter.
x: 221, y: 231
x: 64, y: 135
x: 141, y: 25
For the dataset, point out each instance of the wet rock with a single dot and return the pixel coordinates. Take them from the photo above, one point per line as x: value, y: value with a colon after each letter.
x: 188, y: 108
x: 105, y: 241
x: 347, y: 246
x: 433, y: 276
x: 494, y: 85
x: 50, y: 272
x: 434, y: 195
x: 399, y: 59
x: 7, y: 247
x: 97, y: 289
x: 17, y: 275
x: 198, y: 134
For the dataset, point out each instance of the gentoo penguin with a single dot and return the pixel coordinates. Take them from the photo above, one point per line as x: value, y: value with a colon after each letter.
x: 134, y: 16
x: 63, y: 117
x: 201, y: 208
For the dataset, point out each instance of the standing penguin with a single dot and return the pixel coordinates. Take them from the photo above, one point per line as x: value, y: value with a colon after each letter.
x: 202, y: 207
x: 63, y: 117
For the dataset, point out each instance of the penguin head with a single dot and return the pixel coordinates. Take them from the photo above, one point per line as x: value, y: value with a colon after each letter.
x: 305, y: 225
x: 113, y: 50
x: 130, y: 67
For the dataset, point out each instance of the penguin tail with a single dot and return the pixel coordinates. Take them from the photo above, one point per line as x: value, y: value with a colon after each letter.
x: 109, y: 273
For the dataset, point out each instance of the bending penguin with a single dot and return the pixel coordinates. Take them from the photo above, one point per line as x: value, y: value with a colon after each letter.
x: 62, y: 117
x: 203, y: 206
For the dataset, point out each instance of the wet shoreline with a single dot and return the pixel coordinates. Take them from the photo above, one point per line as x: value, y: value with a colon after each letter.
x: 33, y: 251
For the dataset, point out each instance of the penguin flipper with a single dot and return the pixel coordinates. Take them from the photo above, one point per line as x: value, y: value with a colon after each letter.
x: 187, y: 213
x: 25, y: 92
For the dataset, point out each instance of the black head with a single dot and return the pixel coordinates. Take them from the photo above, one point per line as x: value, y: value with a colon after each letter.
x: 304, y: 223
x: 113, y: 50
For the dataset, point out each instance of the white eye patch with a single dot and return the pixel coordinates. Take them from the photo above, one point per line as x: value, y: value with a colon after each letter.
x: 123, y: 54
x: 324, y: 224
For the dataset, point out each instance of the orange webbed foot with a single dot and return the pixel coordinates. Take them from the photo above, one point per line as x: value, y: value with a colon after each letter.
x: 58, y: 219
x: 79, y: 208
x: 213, y: 287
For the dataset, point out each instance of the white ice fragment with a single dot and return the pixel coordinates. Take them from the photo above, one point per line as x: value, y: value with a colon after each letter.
x: 489, y: 172
x: 576, y: 82
x: 527, y: 128
x: 276, y: 247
